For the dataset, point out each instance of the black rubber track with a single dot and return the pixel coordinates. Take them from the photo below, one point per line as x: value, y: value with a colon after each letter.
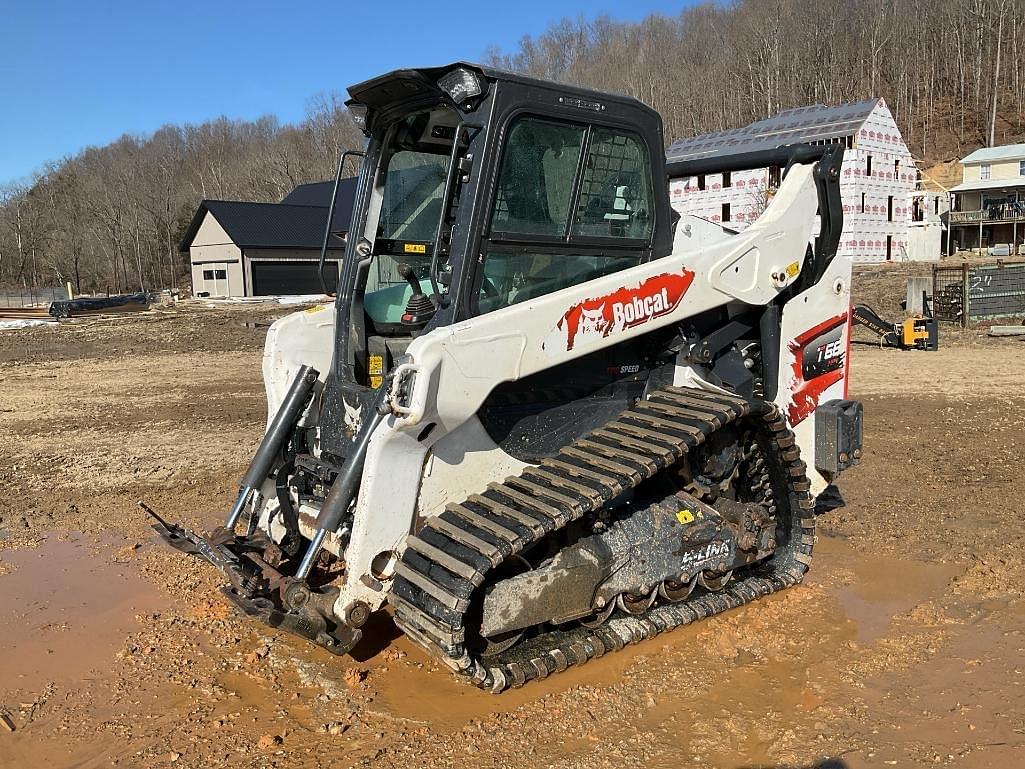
x: 449, y: 559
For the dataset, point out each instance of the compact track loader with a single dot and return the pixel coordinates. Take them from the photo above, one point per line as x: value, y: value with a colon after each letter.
x: 546, y: 416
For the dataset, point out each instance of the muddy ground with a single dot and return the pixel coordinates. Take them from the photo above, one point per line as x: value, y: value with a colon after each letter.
x: 905, y: 646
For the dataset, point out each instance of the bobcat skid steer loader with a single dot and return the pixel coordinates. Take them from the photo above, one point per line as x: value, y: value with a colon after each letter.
x: 546, y: 417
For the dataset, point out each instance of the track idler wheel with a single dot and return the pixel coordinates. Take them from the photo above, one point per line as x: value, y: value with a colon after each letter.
x: 600, y: 616
x: 500, y: 643
x: 675, y: 591
x: 633, y: 603
x: 714, y: 581
x: 490, y: 646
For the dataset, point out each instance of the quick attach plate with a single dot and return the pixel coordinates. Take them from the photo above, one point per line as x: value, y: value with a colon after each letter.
x: 250, y: 593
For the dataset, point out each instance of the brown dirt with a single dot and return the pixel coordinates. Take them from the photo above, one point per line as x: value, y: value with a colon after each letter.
x: 943, y: 175
x: 903, y: 648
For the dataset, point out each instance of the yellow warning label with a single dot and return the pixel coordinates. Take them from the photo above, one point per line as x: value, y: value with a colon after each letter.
x: 314, y: 308
x: 375, y: 367
x: 793, y: 268
x: 686, y: 516
x: 414, y: 248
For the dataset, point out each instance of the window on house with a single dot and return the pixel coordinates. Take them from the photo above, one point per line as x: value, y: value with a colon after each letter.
x: 863, y: 202
x: 725, y: 212
x: 1021, y: 168
x: 868, y: 166
x: 701, y: 182
x: 984, y: 171
x: 775, y: 177
x: 889, y: 247
x: 727, y: 179
x: 220, y: 274
x: 896, y: 168
x: 889, y: 208
x: 936, y: 205
x: 849, y: 142
x: 208, y: 274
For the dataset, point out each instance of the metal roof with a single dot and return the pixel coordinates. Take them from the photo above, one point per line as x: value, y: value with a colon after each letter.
x: 319, y: 194
x: 295, y: 222
x: 989, y: 184
x: 264, y: 225
x: 991, y: 154
x: 801, y: 124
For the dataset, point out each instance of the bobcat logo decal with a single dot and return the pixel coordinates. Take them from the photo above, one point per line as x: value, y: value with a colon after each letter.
x: 353, y: 417
x: 622, y: 309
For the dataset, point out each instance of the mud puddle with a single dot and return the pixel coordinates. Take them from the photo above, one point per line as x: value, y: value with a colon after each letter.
x: 769, y: 669
x: 961, y: 706
x: 864, y: 594
x: 871, y: 590
x: 400, y: 682
x: 732, y: 665
x: 66, y: 609
x: 856, y: 596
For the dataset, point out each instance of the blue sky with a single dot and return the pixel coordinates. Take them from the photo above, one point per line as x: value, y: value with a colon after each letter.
x: 74, y: 74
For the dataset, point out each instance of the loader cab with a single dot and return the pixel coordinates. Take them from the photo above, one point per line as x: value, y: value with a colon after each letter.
x: 481, y: 189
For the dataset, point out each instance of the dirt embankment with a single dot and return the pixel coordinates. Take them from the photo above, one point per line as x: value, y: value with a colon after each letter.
x: 902, y: 649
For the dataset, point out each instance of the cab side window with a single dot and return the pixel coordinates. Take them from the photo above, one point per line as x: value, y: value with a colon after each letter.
x: 557, y: 221
x: 535, y: 184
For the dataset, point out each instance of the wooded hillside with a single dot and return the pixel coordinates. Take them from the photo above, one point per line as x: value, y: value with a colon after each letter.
x: 952, y: 71
x: 109, y: 218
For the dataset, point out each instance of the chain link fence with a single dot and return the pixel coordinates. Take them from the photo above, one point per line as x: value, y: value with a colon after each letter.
x: 32, y: 297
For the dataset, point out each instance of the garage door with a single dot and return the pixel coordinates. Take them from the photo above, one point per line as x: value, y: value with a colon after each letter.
x: 283, y: 278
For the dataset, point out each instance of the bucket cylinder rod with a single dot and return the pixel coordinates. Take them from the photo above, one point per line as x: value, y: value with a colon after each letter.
x: 292, y: 407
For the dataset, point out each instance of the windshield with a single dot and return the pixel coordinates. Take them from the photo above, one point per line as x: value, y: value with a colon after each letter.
x: 411, y: 183
x: 414, y: 183
x: 412, y: 196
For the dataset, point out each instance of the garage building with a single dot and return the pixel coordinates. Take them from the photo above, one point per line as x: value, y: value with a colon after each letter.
x: 240, y: 249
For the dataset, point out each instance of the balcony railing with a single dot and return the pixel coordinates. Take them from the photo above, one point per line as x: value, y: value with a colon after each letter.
x: 1004, y: 212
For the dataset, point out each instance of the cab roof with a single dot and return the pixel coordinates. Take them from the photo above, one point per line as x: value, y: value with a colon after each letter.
x: 406, y: 83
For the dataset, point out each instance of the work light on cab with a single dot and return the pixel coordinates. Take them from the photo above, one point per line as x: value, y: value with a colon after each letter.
x: 461, y: 85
